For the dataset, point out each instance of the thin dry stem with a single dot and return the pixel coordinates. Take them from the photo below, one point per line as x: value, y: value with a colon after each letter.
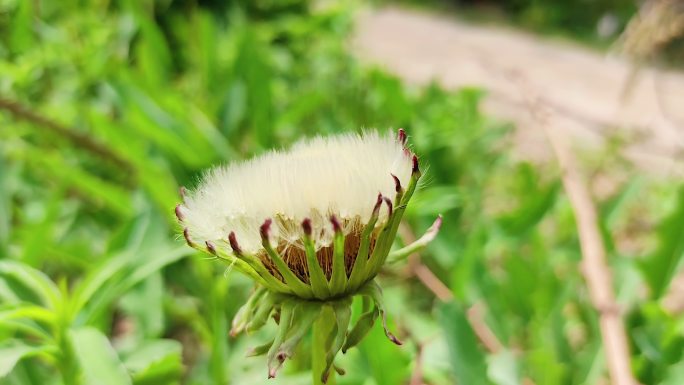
x: 417, y: 375
x: 596, y: 272
x: 22, y: 112
x: 476, y: 319
x: 444, y: 294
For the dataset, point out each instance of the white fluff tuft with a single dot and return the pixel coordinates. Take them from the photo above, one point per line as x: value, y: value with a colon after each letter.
x: 340, y: 175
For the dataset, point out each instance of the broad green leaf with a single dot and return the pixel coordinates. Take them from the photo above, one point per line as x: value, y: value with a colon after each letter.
x: 154, y: 175
x: 97, y: 358
x: 15, y: 311
x: 536, y: 202
x: 11, y: 352
x: 38, y: 239
x: 92, y: 188
x: 387, y: 363
x: 32, y: 280
x: 110, y: 290
x: 155, y: 362
x: 660, y: 267
x: 675, y: 374
x: 503, y: 368
x: 93, y: 282
x: 253, y: 66
x: 144, y: 304
x: 5, y: 204
x: 467, y: 359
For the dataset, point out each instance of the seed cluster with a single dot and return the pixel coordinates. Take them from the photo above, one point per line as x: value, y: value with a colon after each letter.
x: 295, y: 256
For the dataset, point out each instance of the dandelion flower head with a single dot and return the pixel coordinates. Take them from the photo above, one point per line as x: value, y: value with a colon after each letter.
x: 317, y: 178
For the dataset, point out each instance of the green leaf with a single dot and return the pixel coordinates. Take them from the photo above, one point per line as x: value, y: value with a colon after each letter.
x: 388, y: 364
x: 21, y: 37
x: 434, y: 201
x: 467, y: 359
x: 26, y: 311
x: 151, y: 51
x: 660, y: 267
x: 144, y: 303
x: 150, y: 120
x: 536, y: 203
x: 252, y: 65
x: 33, y: 281
x: 503, y: 368
x: 675, y: 374
x: 5, y: 205
x: 109, y: 290
x: 11, y: 352
x: 97, y: 358
x: 155, y: 362
x: 92, y: 188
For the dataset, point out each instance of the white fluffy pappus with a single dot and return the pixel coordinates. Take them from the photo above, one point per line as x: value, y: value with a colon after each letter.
x: 338, y: 175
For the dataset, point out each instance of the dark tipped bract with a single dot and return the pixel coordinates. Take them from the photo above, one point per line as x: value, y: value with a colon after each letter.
x: 378, y: 203
x: 186, y: 235
x: 394, y: 339
x: 388, y: 202
x: 234, y: 243
x: 397, y: 183
x: 337, y: 228
x: 179, y: 212
x: 402, y: 136
x: 415, y: 169
x: 306, y: 227
x: 265, y: 228
x: 211, y: 248
x: 438, y: 222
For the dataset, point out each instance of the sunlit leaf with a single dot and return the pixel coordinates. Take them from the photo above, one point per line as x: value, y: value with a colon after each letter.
x: 98, y: 359
x: 467, y: 360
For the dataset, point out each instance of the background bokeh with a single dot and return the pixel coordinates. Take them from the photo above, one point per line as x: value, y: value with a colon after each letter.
x: 107, y: 107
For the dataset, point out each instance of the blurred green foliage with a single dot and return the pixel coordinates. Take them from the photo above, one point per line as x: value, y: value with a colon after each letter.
x: 109, y: 106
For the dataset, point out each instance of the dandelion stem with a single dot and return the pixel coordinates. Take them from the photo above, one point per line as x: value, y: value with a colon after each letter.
x: 322, y: 327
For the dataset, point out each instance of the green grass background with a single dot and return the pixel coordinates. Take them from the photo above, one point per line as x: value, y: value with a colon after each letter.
x: 138, y: 97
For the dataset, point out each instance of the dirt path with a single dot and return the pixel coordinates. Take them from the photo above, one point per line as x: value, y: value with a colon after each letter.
x: 582, y: 87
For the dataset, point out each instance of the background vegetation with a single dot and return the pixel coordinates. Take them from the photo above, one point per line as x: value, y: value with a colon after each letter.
x: 580, y: 19
x: 109, y: 106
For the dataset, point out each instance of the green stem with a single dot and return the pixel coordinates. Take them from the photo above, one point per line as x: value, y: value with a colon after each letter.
x: 322, y: 328
x: 67, y: 362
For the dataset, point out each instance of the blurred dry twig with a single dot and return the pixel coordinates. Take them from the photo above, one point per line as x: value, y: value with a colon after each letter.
x: 596, y: 272
x: 21, y: 112
x: 657, y: 23
x: 417, y: 375
x: 443, y: 293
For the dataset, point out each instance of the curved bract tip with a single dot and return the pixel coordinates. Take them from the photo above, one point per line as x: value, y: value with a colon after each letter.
x: 186, y: 235
x: 179, y: 212
x: 337, y: 228
x: 306, y: 227
x: 211, y: 248
x: 234, y: 243
x: 402, y: 136
x: 265, y: 228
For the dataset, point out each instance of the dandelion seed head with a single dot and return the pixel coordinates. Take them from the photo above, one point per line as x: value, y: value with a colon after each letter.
x: 337, y: 175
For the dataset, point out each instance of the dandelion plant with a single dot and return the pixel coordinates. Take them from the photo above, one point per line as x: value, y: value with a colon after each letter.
x: 312, y: 226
